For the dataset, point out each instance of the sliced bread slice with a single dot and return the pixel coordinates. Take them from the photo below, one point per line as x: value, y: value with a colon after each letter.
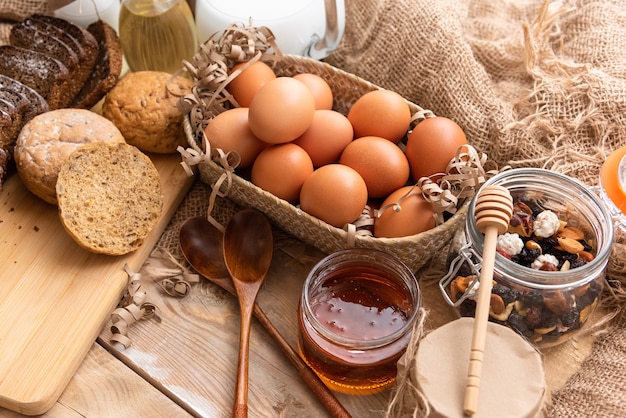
x: 109, y: 197
x: 37, y: 103
x: 29, y: 104
x: 15, y: 114
x: 86, y: 39
x: 108, y: 66
x: 5, y: 151
x: 79, y: 40
x: 39, y: 71
x: 29, y: 37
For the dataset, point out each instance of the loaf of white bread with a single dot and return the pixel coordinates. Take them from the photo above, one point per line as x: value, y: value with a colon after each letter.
x: 49, y: 64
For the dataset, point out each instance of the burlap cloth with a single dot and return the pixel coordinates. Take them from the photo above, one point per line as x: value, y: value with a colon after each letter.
x: 532, y: 83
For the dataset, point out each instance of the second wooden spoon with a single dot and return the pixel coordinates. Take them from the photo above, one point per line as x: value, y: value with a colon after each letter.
x: 248, y: 248
x: 202, y: 246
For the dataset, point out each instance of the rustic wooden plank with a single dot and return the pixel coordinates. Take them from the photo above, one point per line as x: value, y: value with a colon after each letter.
x: 57, y: 296
x: 192, y: 353
x: 104, y: 387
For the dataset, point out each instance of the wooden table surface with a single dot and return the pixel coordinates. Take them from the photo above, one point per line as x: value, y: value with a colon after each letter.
x: 185, y: 364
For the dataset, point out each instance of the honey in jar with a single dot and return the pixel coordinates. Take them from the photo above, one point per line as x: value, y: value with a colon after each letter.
x: 356, y: 314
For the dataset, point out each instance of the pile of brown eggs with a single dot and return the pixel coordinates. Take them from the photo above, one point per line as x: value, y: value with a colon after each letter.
x: 293, y: 144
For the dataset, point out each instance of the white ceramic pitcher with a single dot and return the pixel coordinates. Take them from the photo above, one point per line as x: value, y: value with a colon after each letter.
x: 311, y: 28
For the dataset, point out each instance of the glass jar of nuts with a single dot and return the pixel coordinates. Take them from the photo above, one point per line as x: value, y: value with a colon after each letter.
x: 550, y: 268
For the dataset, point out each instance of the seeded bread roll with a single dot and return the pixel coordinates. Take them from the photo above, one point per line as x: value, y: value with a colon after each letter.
x: 109, y: 197
x: 144, y: 109
x: 48, y: 139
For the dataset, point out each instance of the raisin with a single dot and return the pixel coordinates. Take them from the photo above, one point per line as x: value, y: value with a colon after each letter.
x: 548, y: 319
x: 517, y: 322
x: 533, y: 299
x: 578, y: 262
x: 571, y: 319
x: 533, y: 316
x: 508, y: 295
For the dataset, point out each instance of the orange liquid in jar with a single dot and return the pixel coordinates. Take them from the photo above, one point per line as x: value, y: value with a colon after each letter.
x: 363, y: 306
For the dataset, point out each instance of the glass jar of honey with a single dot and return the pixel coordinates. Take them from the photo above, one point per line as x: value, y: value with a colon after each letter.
x: 551, y: 264
x: 356, y: 315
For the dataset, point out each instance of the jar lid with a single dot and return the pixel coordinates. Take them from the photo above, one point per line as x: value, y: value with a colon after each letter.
x: 613, y: 178
x: 512, y: 383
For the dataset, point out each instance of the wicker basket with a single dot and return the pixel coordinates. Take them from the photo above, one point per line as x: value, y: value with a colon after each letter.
x: 415, y: 251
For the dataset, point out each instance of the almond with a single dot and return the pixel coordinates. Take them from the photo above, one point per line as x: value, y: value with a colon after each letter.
x: 570, y: 245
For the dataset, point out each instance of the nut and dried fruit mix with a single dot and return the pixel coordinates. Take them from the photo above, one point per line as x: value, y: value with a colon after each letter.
x: 538, y: 239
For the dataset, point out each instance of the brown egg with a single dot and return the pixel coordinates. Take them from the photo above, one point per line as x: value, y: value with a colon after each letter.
x: 319, y: 87
x: 380, y: 162
x: 329, y: 133
x: 432, y: 144
x: 382, y: 113
x: 282, y: 110
x: 415, y: 214
x: 281, y: 170
x: 334, y: 193
x: 244, y: 86
x: 230, y: 131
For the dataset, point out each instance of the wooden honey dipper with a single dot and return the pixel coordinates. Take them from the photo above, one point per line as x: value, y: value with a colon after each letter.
x: 494, y: 208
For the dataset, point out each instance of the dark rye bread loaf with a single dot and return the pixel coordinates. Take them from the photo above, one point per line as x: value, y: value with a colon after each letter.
x: 41, y: 72
x: 107, y: 69
x: 29, y: 37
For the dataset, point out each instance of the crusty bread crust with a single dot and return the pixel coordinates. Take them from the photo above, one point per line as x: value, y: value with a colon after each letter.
x: 49, y: 138
x: 110, y: 197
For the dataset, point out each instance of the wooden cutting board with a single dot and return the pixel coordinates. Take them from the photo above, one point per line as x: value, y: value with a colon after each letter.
x: 55, y: 297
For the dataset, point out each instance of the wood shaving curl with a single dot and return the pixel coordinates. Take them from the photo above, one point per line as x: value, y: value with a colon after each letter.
x: 465, y: 173
x: 174, y: 281
x: 209, y: 69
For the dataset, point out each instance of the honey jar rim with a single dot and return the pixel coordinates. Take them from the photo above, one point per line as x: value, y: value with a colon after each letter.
x: 408, y: 277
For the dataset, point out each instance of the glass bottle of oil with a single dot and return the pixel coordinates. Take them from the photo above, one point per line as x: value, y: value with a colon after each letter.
x: 157, y: 35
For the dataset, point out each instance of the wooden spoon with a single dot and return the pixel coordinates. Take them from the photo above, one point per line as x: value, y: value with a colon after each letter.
x: 494, y: 208
x: 248, y: 248
x: 202, y: 247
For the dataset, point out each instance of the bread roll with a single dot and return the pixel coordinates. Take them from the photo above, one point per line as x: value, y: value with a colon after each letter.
x: 49, y: 138
x: 110, y: 197
x: 144, y: 109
